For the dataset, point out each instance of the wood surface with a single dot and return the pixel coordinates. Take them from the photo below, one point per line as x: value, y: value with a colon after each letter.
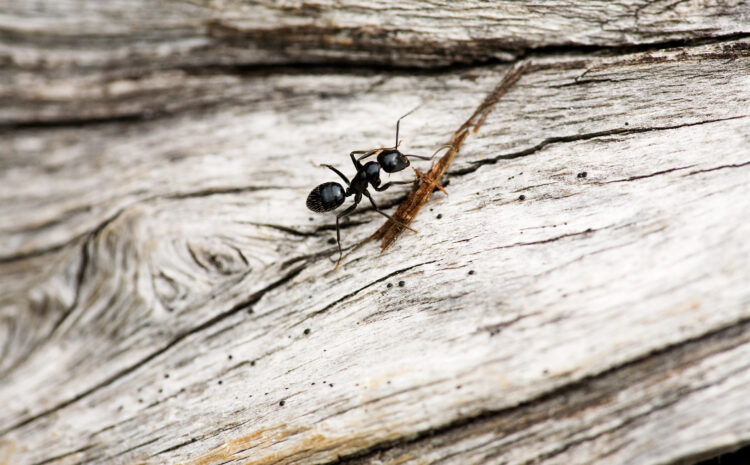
x: 580, y: 295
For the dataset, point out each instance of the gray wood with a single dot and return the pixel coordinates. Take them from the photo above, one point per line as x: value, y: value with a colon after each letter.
x: 159, y: 272
x: 73, y: 60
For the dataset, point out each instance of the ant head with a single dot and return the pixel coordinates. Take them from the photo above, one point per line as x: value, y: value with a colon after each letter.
x: 392, y: 160
x: 326, y: 197
x: 372, y: 171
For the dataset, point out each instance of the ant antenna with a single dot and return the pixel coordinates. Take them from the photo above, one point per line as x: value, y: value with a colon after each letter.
x: 404, y: 116
x: 422, y: 157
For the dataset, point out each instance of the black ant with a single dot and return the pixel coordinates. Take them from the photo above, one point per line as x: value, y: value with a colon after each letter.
x: 330, y: 195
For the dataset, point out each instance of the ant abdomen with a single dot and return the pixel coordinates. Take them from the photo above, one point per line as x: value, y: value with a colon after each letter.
x: 392, y: 161
x: 326, y: 197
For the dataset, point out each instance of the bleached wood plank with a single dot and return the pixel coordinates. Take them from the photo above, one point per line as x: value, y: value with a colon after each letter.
x: 145, y: 246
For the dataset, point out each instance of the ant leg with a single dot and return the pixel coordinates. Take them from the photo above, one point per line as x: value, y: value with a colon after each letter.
x: 392, y: 183
x: 357, y: 164
x: 386, y: 214
x: 398, y: 121
x: 367, y: 153
x: 422, y: 157
x: 338, y: 233
x: 339, y: 173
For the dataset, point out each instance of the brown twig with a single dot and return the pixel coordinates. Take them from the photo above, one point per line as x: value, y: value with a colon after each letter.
x: 425, y: 178
x: 408, y: 210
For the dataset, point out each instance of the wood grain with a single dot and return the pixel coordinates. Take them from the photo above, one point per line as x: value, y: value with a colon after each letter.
x: 86, y: 61
x: 579, y: 296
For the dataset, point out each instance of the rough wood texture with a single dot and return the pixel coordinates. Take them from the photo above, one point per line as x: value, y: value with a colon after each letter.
x: 159, y: 272
x: 73, y: 60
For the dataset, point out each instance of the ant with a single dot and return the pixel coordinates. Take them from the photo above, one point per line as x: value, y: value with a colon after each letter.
x: 330, y: 195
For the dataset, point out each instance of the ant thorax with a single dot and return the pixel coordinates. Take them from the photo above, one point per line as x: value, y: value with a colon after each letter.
x: 372, y: 171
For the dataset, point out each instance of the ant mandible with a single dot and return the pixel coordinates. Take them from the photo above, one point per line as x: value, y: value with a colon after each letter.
x: 330, y: 195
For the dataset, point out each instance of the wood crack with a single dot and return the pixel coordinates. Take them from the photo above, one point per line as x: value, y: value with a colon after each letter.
x: 137, y: 446
x: 645, y: 176
x: 722, y: 167
x: 551, y: 239
x: 582, y: 137
x: 518, y: 52
x: 353, y: 293
x: 288, y: 230
x: 551, y: 51
x: 213, y: 191
x: 176, y: 446
x: 630, y: 420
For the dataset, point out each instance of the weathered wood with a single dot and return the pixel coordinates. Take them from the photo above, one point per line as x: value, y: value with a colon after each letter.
x: 64, y: 60
x: 158, y: 275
